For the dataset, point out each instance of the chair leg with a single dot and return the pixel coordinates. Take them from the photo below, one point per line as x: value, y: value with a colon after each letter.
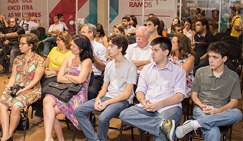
x: 120, y: 130
x: 26, y: 125
x: 74, y: 133
x: 230, y: 134
x: 132, y: 133
x: 147, y: 136
x: 67, y: 120
x: 140, y: 135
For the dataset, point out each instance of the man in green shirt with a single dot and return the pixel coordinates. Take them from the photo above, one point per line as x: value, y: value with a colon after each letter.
x: 215, y: 93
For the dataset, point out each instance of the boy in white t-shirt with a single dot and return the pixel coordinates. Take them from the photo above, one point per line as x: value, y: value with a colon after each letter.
x: 119, y: 77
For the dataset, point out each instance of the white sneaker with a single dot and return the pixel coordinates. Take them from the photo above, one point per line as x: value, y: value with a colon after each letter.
x: 182, y: 130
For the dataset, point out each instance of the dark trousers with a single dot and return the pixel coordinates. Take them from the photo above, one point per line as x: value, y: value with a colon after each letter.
x: 6, y: 61
x: 95, y: 86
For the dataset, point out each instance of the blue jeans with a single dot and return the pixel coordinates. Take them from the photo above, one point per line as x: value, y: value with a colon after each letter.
x: 107, y: 114
x: 150, y: 121
x: 210, y: 123
x: 47, y: 44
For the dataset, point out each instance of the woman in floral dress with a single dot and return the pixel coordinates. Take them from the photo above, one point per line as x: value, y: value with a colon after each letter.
x: 75, y: 69
x: 182, y: 55
x: 27, y: 71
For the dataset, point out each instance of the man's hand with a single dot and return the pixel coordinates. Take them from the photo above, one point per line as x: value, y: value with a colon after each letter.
x: 6, y: 42
x: 152, y: 106
x: 1, y: 35
x: 209, y: 109
x: 144, y: 103
x: 97, y: 104
x: 103, y: 105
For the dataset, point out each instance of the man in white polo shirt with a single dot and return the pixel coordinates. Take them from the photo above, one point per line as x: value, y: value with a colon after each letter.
x: 140, y: 52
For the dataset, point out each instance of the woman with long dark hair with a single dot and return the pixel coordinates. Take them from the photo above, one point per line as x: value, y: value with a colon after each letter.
x: 75, y: 69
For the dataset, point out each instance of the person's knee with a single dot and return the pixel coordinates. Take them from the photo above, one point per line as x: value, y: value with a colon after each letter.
x: 79, y: 111
x: 3, y: 106
x: 237, y: 116
x: 48, y: 102
x: 15, y: 110
x: 103, y: 119
x: 124, y: 114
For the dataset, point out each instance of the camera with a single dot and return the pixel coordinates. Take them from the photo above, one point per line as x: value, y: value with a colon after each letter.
x: 14, y: 89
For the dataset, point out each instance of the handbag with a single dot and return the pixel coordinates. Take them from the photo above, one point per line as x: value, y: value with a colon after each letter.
x: 23, y: 122
x: 62, y: 91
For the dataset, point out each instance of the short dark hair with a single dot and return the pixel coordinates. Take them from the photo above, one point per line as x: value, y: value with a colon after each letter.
x: 31, y: 39
x: 59, y: 15
x: 155, y: 21
x: 121, y: 41
x: 176, y: 25
x: 85, y: 47
x: 204, y: 22
x: 235, y: 9
x: 219, y: 47
x: 164, y: 43
x: 126, y: 18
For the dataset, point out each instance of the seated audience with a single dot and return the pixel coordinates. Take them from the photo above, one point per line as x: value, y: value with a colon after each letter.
x: 133, y: 21
x: 182, y: 55
x: 54, y: 29
x: 178, y: 29
x: 61, y: 21
x: 53, y: 64
x: 118, y: 30
x: 203, y: 38
x: 119, y: 77
x: 160, y: 90
x: 215, y: 94
x: 153, y: 25
x: 10, y: 41
x: 27, y: 71
x: 126, y: 25
x: 28, y: 24
x: 99, y: 63
x: 100, y: 35
x: 3, y: 23
x: 174, y: 22
x: 75, y: 69
x: 188, y: 31
x: 140, y: 52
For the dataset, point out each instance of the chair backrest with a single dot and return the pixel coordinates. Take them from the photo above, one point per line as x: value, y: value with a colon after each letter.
x: 42, y: 30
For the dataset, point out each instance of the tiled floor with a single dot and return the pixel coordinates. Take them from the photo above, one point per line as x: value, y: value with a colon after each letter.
x: 36, y: 133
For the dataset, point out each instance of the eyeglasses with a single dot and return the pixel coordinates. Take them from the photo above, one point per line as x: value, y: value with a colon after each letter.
x: 21, y: 44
